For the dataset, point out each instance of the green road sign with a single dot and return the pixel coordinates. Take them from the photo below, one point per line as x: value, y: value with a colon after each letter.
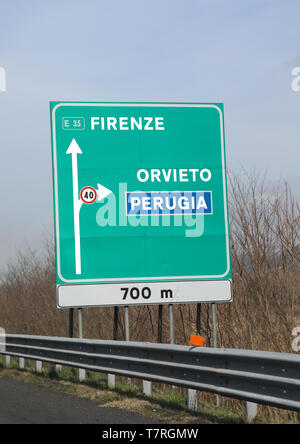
x: 140, y: 203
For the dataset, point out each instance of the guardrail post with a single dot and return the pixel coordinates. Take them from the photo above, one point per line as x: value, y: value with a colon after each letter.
x: 81, y: 372
x: 21, y: 363
x: 38, y: 366
x: 147, y: 388
x: 111, y: 381
x: 251, y: 411
x: 192, y: 399
x: 7, y: 361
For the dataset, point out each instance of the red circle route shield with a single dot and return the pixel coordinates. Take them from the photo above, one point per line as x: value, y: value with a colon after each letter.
x: 88, y: 195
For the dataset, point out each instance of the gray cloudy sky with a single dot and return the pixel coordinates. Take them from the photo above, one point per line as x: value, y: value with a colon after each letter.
x: 240, y: 52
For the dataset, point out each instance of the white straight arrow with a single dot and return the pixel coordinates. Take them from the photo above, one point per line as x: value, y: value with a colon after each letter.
x: 74, y: 150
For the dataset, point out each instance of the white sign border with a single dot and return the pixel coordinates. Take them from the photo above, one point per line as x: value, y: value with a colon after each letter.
x: 137, y: 279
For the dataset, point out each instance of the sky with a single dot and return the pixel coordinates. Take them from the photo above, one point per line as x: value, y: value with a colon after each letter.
x: 239, y: 52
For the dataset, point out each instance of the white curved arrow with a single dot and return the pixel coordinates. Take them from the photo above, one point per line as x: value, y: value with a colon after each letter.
x: 102, y: 192
x: 74, y: 150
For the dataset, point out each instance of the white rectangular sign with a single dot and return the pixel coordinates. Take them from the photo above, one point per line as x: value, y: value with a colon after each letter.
x: 143, y: 293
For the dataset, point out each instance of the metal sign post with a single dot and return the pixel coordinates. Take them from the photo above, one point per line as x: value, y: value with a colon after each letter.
x: 127, y: 329
x: 111, y: 379
x: 198, y: 319
x: 82, y: 372
x: 192, y: 395
x: 171, y: 319
x: 215, y: 339
x: 71, y: 323
x: 160, y: 324
x: 116, y: 323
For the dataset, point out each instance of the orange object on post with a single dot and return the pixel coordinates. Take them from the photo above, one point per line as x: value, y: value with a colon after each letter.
x: 197, y: 340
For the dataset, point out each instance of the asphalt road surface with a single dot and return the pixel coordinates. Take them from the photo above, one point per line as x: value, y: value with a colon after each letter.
x: 24, y: 403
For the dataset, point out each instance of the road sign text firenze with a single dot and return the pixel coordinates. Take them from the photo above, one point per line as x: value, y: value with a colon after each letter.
x: 128, y: 123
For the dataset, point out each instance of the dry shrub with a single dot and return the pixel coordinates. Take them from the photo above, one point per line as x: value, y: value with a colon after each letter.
x: 265, y: 223
x: 266, y: 282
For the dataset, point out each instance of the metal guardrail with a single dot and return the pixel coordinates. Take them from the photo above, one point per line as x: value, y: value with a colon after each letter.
x: 255, y: 376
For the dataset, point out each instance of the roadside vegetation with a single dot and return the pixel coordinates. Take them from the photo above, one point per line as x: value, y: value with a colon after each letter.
x: 166, y: 405
x: 265, y: 246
